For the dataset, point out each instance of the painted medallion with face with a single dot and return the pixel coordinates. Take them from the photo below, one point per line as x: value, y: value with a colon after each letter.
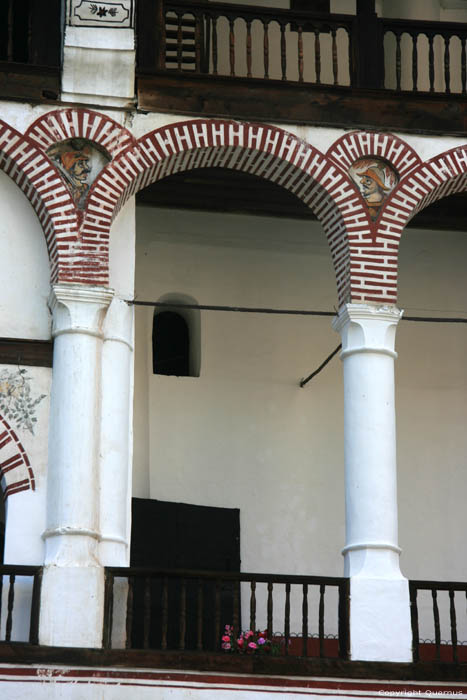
x: 79, y: 162
x: 375, y: 179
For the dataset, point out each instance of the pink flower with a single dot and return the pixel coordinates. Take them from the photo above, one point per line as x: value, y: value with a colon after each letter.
x: 249, y: 634
x: 226, y: 645
x: 261, y: 640
x: 240, y: 641
x: 227, y: 628
x: 252, y: 645
x: 226, y: 638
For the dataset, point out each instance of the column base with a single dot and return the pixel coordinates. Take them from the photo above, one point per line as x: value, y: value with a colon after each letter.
x: 72, y: 603
x: 380, y: 627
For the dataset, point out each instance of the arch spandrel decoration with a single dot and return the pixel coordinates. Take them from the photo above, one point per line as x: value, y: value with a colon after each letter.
x: 387, y: 158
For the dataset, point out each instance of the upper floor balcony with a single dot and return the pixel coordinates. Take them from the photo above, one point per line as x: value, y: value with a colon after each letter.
x: 294, y: 65
x: 274, y: 61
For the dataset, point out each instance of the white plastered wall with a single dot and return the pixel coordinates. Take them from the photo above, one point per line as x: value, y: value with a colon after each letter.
x: 431, y: 403
x: 245, y: 435
x: 24, y: 314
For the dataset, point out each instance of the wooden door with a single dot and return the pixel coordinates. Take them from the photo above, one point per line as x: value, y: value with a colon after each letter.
x: 186, y: 537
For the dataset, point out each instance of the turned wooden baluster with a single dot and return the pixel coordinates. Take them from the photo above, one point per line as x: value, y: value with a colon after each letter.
x: 10, y: 604
x: 287, y: 618
x: 322, y: 589
x: 214, y: 45
x: 447, y: 74
x: 431, y: 63
x: 269, y: 610
x: 217, y: 614
x: 436, y: 620
x: 398, y: 61
x: 248, y: 48
x: 147, y: 611
x: 414, y: 624
x: 236, y: 608
x: 334, y: 55
x: 317, y: 57
x: 414, y: 62
x: 283, y: 52
x: 253, y: 606
x: 452, y: 615
x: 305, y: 620
x: 199, y: 644
x: 300, y: 54
x: 232, y: 45
x: 266, y: 48
x: 165, y: 611
x: 182, y: 634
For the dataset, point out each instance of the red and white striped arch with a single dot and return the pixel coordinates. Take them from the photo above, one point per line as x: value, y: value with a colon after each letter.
x: 16, y: 473
x: 258, y: 149
x: 441, y: 176
x: 62, y: 124
x: 42, y: 184
x: 364, y: 252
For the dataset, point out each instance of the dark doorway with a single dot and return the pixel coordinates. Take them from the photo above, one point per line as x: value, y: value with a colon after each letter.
x: 185, y: 537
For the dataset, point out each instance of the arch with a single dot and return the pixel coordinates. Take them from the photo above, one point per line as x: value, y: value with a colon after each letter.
x: 364, y: 252
x: 358, y: 144
x: 16, y: 473
x: 63, y: 124
x: 259, y: 149
x: 439, y: 177
x: 41, y: 182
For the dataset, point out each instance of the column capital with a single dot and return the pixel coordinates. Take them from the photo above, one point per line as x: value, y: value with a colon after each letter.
x: 77, y: 308
x: 367, y: 328
x: 366, y: 312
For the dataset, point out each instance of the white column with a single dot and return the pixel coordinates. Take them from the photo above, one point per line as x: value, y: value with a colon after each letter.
x: 379, y: 607
x: 116, y: 434
x: 73, y: 582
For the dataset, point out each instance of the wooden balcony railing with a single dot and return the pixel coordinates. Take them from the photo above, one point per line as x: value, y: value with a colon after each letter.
x: 245, y: 41
x: 188, y: 610
x: 23, y: 582
x: 244, y: 61
x: 425, y: 56
x: 30, y: 48
x: 449, y: 621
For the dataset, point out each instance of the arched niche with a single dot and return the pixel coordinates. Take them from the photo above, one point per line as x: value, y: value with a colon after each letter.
x: 173, y: 308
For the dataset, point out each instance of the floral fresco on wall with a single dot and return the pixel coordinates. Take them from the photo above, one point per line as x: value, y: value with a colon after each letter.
x: 375, y: 179
x: 17, y: 401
